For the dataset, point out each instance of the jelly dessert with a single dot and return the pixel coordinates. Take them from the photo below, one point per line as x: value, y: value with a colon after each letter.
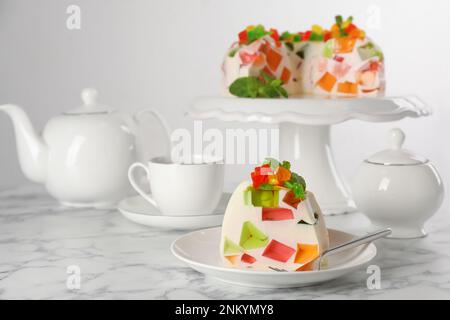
x: 341, y: 61
x: 273, y: 222
x: 258, y: 58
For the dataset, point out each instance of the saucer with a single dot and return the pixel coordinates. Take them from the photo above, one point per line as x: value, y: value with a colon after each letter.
x: 200, y: 250
x: 140, y: 211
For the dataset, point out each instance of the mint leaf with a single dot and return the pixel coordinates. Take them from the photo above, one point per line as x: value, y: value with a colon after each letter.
x: 282, y: 92
x: 267, y: 78
x: 263, y: 86
x: 297, y: 185
x: 288, y: 184
x: 276, y: 83
x: 273, y: 163
x: 245, y: 87
x: 268, y: 92
x: 286, y: 165
x: 295, y: 178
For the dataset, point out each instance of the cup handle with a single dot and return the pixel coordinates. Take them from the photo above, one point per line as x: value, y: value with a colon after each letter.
x: 136, y: 186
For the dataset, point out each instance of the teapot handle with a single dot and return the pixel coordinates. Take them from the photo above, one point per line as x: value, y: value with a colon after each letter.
x: 162, y: 121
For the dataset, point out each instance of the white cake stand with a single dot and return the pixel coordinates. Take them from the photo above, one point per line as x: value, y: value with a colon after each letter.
x: 304, y: 125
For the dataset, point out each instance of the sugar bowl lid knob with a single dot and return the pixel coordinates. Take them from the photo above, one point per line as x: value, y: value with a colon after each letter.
x: 395, y: 155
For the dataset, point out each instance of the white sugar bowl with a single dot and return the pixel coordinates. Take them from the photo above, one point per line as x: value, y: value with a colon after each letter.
x: 398, y: 189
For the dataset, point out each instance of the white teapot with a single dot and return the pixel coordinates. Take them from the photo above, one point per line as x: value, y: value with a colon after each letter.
x: 398, y: 189
x: 83, y: 154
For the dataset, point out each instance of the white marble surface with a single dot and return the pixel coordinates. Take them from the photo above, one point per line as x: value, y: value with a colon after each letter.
x: 39, y: 239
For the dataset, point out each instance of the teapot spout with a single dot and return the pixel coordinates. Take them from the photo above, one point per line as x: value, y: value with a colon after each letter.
x: 31, y: 149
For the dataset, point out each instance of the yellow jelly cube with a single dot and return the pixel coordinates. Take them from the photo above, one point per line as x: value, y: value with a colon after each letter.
x: 348, y: 88
x: 317, y: 29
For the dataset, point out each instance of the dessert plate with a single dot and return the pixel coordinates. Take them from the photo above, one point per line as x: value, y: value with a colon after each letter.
x: 140, y: 211
x: 200, y: 250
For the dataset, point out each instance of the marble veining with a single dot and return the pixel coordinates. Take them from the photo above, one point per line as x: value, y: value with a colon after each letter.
x: 118, y: 259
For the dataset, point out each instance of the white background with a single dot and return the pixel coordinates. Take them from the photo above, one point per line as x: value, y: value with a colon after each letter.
x: 165, y: 53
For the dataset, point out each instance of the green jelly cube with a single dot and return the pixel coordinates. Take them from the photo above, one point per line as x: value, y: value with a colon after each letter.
x: 248, y: 196
x: 369, y: 51
x: 328, y: 49
x: 229, y: 247
x: 252, y: 237
x: 265, y: 198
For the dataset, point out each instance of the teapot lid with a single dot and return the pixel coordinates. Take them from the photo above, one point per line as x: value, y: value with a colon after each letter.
x: 395, y: 155
x: 90, y: 104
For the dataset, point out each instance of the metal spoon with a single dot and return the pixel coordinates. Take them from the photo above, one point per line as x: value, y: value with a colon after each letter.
x: 354, y: 243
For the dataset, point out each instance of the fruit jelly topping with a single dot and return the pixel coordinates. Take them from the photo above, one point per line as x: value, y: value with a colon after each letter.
x: 271, y: 177
x: 341, y: 29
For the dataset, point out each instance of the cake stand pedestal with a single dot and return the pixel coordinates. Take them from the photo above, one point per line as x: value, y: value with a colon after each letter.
x: 304, y: 125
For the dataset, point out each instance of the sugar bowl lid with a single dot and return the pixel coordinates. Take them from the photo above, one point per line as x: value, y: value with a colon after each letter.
x: 90, y: 104
x: 395, y: 155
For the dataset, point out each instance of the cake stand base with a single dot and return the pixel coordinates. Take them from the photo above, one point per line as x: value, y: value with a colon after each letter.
x: 309, y: 150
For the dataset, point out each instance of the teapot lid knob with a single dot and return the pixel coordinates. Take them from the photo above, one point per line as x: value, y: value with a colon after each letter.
x: 89, y: 96
x: 90, y: 104
x: 396, y: 138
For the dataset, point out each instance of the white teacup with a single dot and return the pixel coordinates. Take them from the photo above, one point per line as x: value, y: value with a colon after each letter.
x: 181, y: 188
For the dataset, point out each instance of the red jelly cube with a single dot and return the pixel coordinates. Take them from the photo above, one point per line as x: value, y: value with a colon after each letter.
x: 247, y: 58
x: 278, y: 251
x: 248, y: 259
x: 243, y: 36
x: 277, y: 214
x: 306, y: 35
x: 291, y: 200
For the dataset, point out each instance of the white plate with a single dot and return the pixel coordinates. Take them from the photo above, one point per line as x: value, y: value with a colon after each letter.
x: 140, y: 211
x: 200, y: 250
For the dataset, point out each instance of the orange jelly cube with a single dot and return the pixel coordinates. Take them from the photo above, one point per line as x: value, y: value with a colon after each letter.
x: 348, y: 87
x: 344, y: 45
x: 285, y: 75
x: 307, y: 267
x: 327, y: 82
x: 306, y: 253
x: 273, y: 59
x: 282, y: 173
x: 232, y: 259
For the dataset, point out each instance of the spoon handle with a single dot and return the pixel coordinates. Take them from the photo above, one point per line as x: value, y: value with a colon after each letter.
x: 357, y: 242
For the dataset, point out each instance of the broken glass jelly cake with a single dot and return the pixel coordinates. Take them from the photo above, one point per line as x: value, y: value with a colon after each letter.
x: 273, y: 223
x: 341, y: 61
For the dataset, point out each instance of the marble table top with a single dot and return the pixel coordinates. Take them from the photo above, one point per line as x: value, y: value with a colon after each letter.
x: 40, y: 239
